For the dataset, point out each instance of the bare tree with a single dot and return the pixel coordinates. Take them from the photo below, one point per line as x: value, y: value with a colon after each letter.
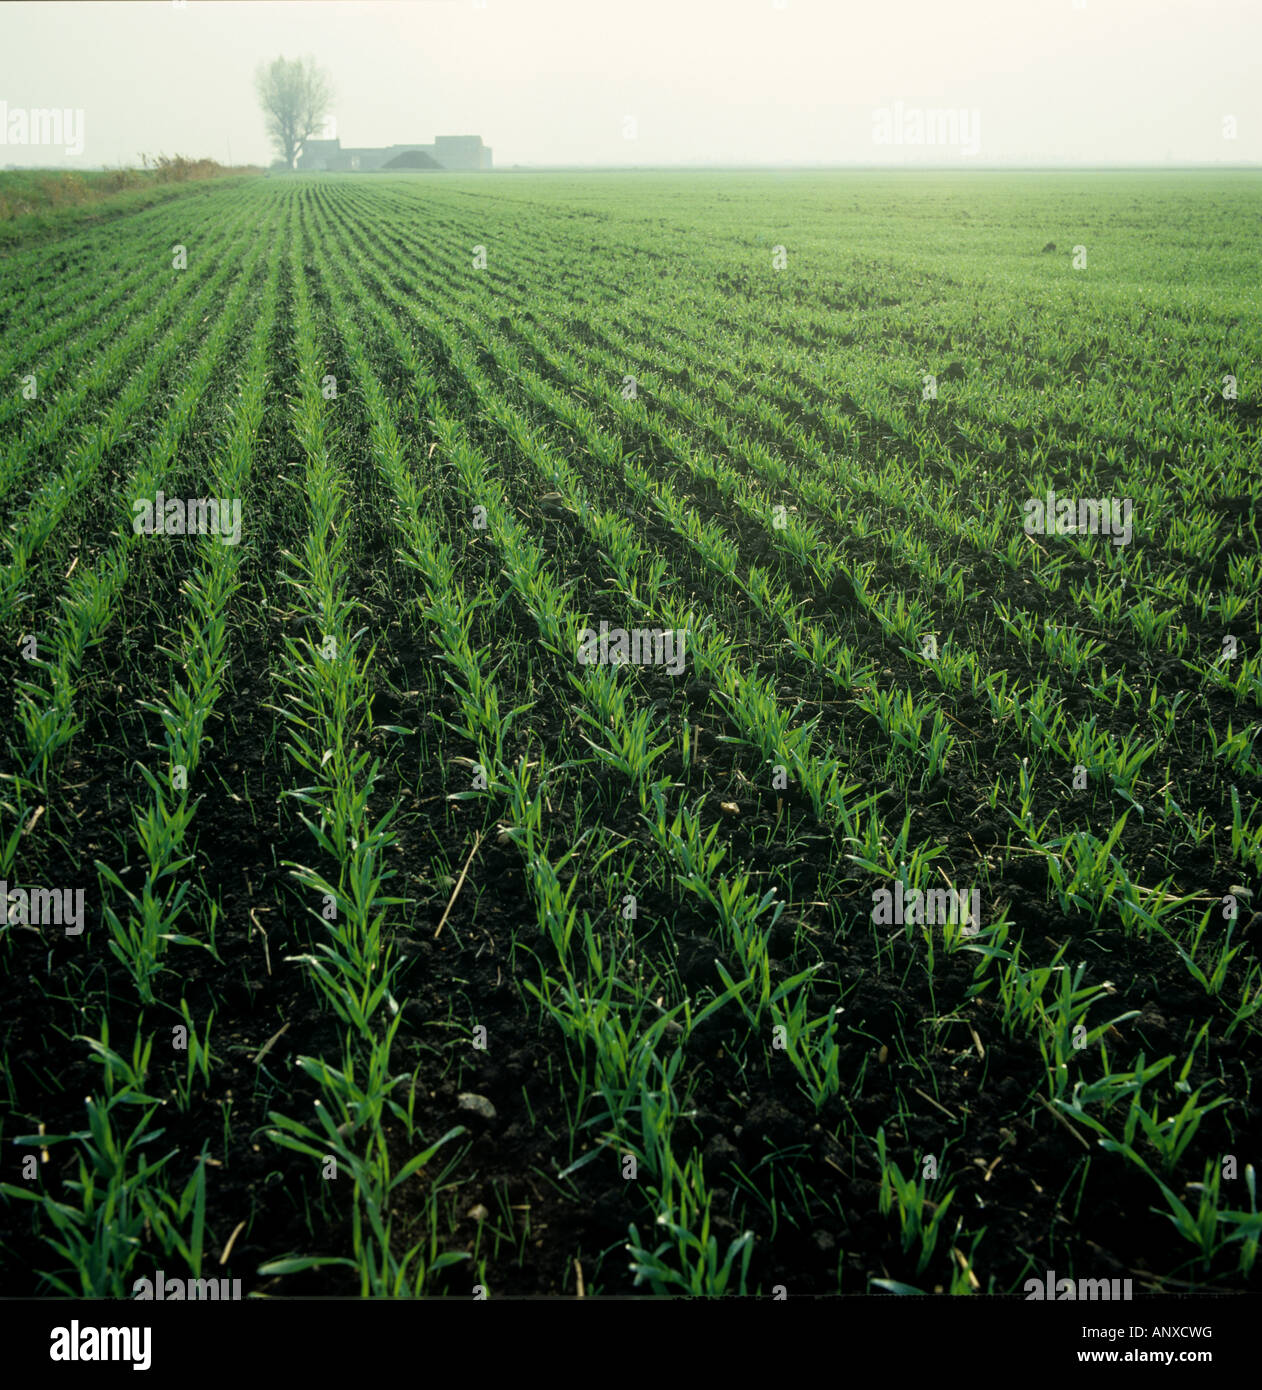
x: 295, y: 96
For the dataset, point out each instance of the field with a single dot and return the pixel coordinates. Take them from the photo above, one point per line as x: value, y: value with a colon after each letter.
x: 886, y: 920
x: 36, y: 204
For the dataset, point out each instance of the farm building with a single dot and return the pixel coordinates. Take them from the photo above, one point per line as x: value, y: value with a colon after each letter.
x: 447, y: 152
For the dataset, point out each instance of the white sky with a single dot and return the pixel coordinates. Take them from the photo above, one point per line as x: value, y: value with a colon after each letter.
x: 706, y: 81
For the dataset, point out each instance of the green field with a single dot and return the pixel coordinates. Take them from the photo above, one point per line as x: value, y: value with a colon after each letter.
x: 39, y: 204
x: 886, y: 920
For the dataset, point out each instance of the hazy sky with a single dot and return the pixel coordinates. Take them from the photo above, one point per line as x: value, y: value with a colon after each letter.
x: 724, y: 81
